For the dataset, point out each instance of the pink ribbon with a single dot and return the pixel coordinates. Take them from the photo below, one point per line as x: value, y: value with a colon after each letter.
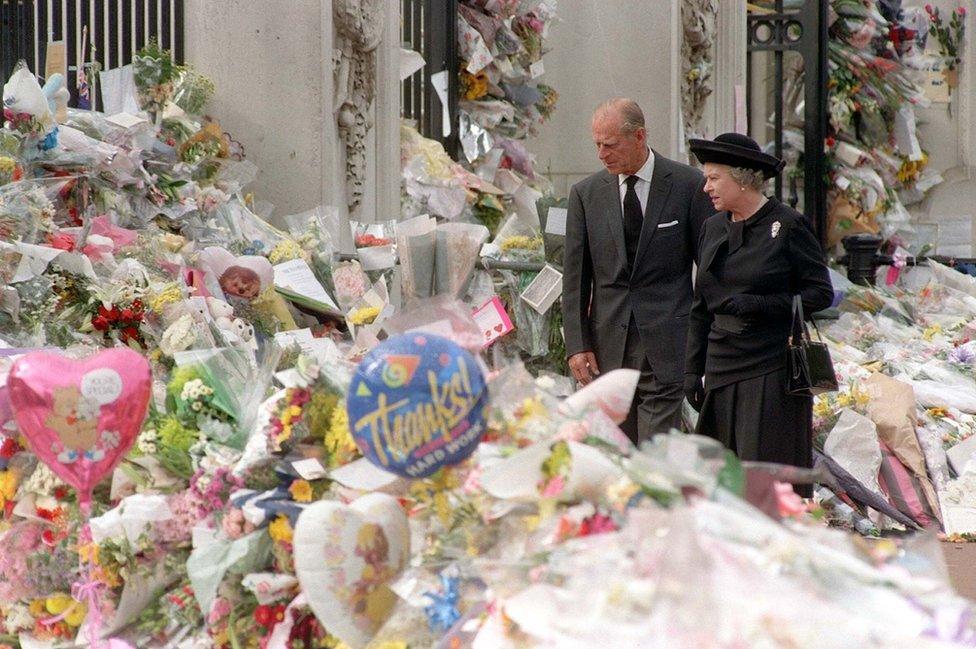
x: 89, y: 593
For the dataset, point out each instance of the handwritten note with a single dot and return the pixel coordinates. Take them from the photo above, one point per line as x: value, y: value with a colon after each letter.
x: 296, y: 276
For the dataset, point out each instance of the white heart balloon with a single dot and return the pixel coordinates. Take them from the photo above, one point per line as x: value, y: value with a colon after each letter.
x: 345, y: 558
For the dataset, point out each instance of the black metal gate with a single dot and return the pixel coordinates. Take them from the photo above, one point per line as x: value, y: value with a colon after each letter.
x: 430, y: 28
x: 116, y: 29
x: 804, y: 31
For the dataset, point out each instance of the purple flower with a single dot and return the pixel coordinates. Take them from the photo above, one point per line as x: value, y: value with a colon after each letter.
x: 962, y: 356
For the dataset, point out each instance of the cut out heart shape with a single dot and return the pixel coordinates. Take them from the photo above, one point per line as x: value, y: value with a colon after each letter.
x: 80, y: 417
x: 245, y: 277
x: 345, y: 558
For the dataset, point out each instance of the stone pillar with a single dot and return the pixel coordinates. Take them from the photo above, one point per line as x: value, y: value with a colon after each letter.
x: 730, y: 62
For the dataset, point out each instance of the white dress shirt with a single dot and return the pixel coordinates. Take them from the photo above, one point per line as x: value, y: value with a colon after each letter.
x: 642, y: 187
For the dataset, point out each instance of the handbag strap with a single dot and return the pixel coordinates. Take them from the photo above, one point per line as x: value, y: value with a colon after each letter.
x: 799, y: 324
x: 798, y: 328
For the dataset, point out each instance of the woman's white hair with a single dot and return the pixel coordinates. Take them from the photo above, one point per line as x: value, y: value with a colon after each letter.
x: 748, y: 177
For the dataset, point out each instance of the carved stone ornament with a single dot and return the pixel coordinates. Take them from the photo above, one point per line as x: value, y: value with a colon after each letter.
x: 698, y: 19
x: 359, y: 30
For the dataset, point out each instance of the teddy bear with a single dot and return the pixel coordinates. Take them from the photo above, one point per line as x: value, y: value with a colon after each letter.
x: 223, y: 316
x: 75, y: 424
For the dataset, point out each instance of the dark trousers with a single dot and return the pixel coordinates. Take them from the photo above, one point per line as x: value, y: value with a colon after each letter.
x: 657, y: 406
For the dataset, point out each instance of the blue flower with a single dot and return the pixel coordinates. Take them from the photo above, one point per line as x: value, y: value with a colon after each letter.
x: 443, y: 611
x: 50, y: 140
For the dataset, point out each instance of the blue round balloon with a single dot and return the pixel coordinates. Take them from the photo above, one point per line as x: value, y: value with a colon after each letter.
x: 416, y: 404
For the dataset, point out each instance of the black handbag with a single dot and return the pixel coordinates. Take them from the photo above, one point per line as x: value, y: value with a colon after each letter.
x: 808, y: 361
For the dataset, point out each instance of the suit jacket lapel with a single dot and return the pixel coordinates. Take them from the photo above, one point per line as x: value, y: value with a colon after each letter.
x: 657, y: 196
x: 615, y: 215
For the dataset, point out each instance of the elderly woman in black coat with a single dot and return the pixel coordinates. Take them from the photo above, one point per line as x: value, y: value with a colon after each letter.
x: 755, y: 255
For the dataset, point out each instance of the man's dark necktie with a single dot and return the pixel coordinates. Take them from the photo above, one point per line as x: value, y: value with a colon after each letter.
x: 633, y: 220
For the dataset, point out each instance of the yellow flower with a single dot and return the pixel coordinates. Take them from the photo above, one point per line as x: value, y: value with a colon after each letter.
x: 363, y: 315
x: 173, y: 242
x: 821, y: 408
x: 338, y: 439
x: 57, y: 603
x: 74, y: 612
x: 301, y: 491
x: 531, y: 408
x: 938, y: 412
x: 38, y: 608
x: 521, y: 242
x: 8, y: 487
x: 390, y: 644
x: 285, y: 250
x: 88, y: 553
x: 280, y: 530
x: 170, y: 295
x: 7, y: 164
x: 931, y: 332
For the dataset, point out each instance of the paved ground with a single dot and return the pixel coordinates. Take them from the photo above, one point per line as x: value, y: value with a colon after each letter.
x: 961, y: 560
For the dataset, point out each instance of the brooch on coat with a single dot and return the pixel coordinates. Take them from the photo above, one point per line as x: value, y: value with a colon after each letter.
x: 773, y: 231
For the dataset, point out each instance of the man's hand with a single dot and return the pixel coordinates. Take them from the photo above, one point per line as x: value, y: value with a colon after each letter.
x: 584, y: 367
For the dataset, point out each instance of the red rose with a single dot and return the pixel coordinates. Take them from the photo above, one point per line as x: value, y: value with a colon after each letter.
x: 961, y: 11
x: 127, y: 315
x: 100, y: 323
x: 263, y: 615
x: 830, y: 142
x: 129, y: 333
x: 8, y: 448
x: 137, y: 305
x: 48, y: 538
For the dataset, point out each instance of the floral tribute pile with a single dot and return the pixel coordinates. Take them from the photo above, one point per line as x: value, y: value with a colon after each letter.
x: 205, y: 443
x: 877, y: 166
x: 899, y: 435
x: 495, y: 181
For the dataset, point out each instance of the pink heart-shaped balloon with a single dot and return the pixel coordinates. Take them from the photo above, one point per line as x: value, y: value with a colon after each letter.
x: 80, y: 417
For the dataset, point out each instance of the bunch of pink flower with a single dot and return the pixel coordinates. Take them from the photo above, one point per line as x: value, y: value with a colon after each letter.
x: 950, y: 36
x: 18, y: 543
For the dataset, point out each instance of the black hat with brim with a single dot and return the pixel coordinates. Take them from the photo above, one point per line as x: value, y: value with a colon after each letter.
x: 736, y: 150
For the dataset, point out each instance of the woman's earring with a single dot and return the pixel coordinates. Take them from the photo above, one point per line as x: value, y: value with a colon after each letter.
x: 742, y: 188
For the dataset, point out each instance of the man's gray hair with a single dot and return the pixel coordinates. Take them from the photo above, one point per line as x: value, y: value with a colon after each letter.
x: 630, y: 113
x: 748, y: 177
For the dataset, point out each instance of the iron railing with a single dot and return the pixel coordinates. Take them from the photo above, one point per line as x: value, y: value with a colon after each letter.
x: 804, y: 31
x: 430, y: 28
x: 115, y: 30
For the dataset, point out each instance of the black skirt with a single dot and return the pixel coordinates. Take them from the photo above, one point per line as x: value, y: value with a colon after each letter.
x: 759, y: 421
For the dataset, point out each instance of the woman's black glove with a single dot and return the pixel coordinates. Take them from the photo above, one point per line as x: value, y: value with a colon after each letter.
x: 694, y: 391
x: 743, y: 305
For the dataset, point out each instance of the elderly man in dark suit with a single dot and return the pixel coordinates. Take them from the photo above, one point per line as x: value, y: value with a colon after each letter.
x: 631, y: 238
